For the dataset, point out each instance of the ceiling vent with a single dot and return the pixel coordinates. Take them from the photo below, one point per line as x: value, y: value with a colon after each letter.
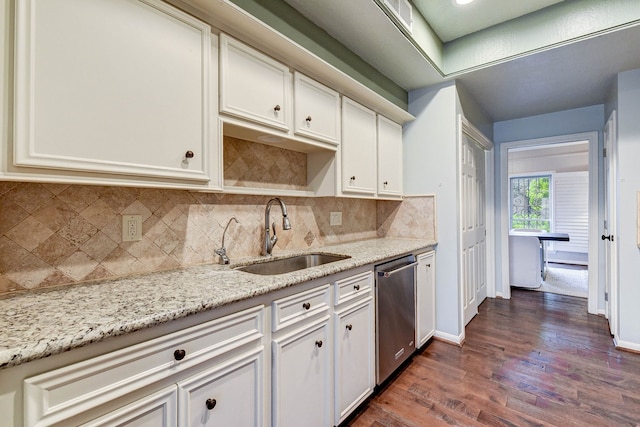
x: 403, y: 10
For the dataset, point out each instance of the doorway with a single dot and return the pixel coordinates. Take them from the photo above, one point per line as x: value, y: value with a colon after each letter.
x: 570, y: 163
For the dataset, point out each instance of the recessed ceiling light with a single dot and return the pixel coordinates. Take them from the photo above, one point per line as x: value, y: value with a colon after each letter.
x: 461, y: 2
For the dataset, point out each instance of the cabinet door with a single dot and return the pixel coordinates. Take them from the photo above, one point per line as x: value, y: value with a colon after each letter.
x: 156, y: 410
x: 425, y: 298
x: 389, y: 158
x: 115, y: 86
x: 355, y: 357
x: 316, y: 110
x: 358, y: 148
x: 253, y: 86
x: 302, y: 377
x: 230, y: 394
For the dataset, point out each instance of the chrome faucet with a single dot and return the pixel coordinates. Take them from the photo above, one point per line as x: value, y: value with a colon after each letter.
x: 224, y: 259
x: 270, y: 241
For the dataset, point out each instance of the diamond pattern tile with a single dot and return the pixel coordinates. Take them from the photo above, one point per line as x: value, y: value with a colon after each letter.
x: 54, y: 234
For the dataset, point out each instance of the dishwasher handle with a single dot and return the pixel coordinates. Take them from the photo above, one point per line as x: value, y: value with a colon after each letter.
x: 395, y: 270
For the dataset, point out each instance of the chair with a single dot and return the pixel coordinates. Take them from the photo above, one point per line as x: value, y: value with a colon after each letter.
x: 524, y: 261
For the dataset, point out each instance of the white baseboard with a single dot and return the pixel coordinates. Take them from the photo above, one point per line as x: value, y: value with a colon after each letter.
x: 626, y: 345
x: 453, y: 339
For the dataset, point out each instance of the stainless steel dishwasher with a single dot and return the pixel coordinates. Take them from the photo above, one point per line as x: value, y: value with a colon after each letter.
x: 395, y: 314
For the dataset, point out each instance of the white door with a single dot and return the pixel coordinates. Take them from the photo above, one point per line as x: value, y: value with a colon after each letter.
x: 608, y: 236
x: 301, y: 377
x: 229, y: 393
x: 473, y: 227
x: 355, y: 357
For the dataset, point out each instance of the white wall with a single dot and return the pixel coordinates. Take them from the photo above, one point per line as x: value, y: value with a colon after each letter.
x: 430, y: 158
x: 578, y: 120
x: 628, y: 185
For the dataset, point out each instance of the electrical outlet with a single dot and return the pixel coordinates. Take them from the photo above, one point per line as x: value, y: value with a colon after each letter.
x: 131, y: 228
x: 335, y: 218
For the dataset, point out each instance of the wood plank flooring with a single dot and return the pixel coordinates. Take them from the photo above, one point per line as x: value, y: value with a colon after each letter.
x: 536, y: 360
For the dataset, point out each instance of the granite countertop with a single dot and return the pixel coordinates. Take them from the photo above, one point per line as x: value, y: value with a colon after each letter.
x: 38, y: 324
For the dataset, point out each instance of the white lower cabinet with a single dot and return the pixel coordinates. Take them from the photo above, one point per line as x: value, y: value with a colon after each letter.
x: 320, y: 367
x: 229, y: 394
x: 221, y: 359
x: 156, y: 410
x: 301, y: 378
x: 425, y: 297
x: 355, y: 357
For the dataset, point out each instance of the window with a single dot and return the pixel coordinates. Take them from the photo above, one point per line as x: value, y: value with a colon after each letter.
x: 530, y: 202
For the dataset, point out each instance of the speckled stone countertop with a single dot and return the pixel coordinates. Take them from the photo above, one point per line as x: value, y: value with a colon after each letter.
x: 38, y: 324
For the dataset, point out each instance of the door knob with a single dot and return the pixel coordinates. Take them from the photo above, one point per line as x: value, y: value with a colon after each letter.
x: 609, y: 237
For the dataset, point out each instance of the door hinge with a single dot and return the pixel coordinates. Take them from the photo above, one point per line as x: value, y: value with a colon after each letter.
x: 604, y: 152
x: 606, y: 296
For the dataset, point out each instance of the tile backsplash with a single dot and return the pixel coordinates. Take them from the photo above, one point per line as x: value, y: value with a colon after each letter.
x: 56, y: 234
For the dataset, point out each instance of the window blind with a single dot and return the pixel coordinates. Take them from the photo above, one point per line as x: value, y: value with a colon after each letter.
x: 571, y: 199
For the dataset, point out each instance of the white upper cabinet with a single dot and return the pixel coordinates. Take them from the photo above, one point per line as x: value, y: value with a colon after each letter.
x: 113, y: 86
x: 253, y: 86
x: 316, y: 110
x: 358, y: 149
x: 389, y: 158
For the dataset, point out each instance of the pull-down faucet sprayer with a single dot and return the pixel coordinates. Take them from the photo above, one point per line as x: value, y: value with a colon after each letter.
x: 270, y: 241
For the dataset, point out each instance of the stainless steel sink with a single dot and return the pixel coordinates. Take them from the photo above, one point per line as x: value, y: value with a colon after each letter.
x: 294, y: 263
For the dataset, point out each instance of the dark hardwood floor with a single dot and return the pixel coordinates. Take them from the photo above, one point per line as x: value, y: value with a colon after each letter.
x: 535, y: 360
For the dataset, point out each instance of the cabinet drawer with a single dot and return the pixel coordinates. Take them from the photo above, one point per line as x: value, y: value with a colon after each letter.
x: 293, y: 309
x: 353, y: 287
x: 56, y: 395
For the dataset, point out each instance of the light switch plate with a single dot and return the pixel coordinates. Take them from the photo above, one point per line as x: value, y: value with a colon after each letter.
x: 335, y: 218
x: 131, y: 228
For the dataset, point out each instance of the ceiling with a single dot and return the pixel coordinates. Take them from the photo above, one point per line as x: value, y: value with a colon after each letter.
x: 451, y: 21
x: 555, y: 78
x: 568, y: 148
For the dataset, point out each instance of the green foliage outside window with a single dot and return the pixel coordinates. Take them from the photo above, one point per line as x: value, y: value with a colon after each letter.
x: 530, y: 202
